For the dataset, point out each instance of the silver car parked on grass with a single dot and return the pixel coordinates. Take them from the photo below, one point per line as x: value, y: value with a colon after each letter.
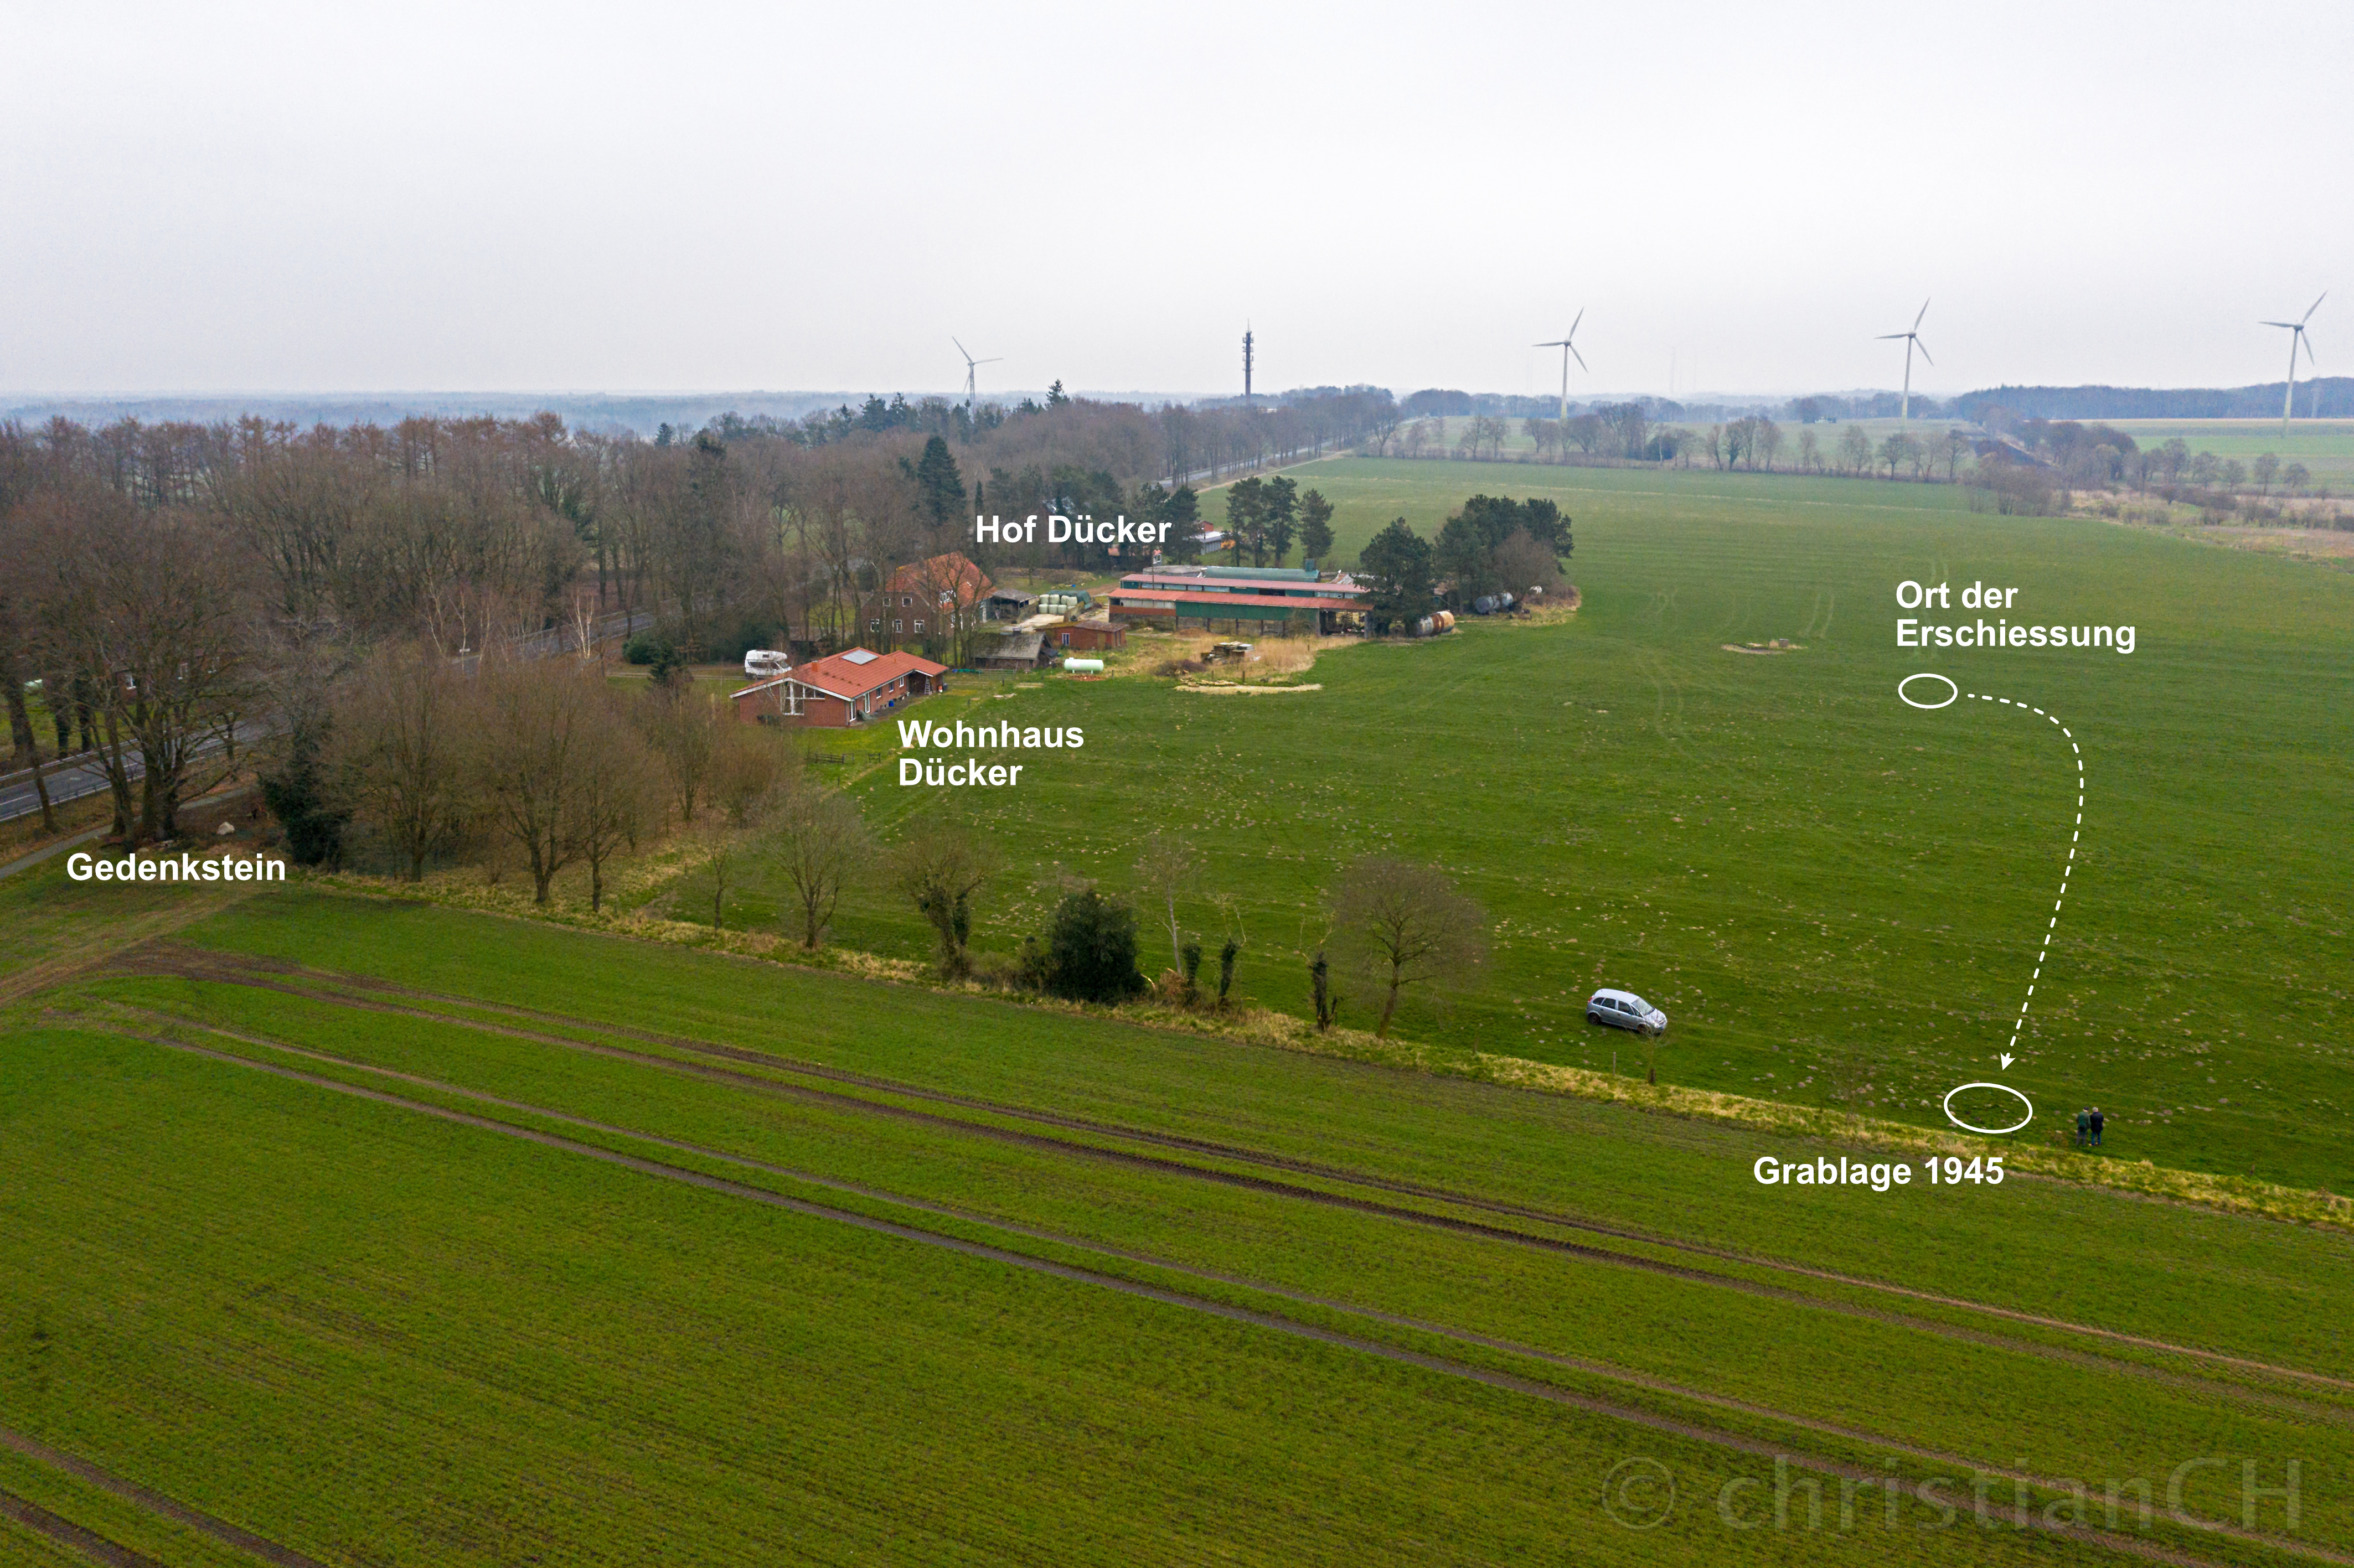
x: 1625, y: 1010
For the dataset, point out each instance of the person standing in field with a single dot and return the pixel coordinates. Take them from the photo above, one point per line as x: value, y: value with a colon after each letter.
x: 2096, y: 1126
x: 2083, y: 1130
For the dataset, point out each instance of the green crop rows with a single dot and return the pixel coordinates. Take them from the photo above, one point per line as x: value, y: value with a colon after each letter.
x: 369, y: 1334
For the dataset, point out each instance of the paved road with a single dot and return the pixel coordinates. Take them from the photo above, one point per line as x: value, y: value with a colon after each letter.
x: 72, y: 779
x: 79, y: 778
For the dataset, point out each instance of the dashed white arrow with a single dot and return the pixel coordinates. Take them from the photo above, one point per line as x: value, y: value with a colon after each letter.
x: 2076, y: 839
x: 2066, y: 870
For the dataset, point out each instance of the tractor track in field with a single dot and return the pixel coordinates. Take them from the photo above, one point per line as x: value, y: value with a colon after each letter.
x: 68, y: 1534
x: 154, y: 1502
x: 2283, y: 1404
x: 2029, y: 1518
x: 180, y: 961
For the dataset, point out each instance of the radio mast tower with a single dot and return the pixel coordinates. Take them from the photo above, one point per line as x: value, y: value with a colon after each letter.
x: 1247, y: 364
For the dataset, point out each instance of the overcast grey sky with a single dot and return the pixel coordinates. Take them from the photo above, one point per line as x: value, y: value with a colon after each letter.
x: 585, y: 196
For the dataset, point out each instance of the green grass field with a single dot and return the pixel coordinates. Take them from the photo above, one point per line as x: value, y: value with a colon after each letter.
x: 1229, y: 1302
x: 1447, y: 430
x: 1839, y: 899
x: 2326, y: 447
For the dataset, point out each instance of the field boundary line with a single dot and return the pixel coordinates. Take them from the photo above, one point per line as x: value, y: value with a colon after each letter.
x: 154, y: 1501
x: 1230, y: 1152
x: 2244, y: 1197
x: 1507, y: 1381
x: 66, y: 1532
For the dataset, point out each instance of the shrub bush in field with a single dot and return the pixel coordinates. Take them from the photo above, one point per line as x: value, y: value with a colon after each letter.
x: 1091, y: 949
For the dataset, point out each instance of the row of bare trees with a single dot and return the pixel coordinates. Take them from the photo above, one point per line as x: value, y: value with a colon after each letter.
x: 177, y: 591
x: 466, y: 531
x: 1396, y: 926
x: 545, y: 765
x: 540, y: 764
x: 133, y: 631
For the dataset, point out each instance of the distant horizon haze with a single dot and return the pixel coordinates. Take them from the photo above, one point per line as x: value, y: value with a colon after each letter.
x: 265, y: 196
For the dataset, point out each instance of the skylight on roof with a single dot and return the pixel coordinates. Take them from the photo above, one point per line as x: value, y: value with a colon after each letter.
x: 859, y: 656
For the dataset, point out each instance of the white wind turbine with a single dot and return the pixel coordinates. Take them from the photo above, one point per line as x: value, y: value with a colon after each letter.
x: 1567, y: 348
x: 1912, y: 340
x: 2296, y: 336
x: 971, y: 380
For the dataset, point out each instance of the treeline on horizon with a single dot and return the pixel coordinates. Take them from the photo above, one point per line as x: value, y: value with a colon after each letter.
x: 462, y: 529
x: 1996, y: 407
x: 806, y: 416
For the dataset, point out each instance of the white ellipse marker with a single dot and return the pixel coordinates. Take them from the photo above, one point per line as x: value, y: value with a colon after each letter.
x: 1952, y: 691
x: 1996, y: 1131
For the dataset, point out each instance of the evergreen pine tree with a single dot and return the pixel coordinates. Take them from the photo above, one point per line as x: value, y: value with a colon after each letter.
x: 940, y: 488
x: 1181, y: 510
x: 1315, y: 527
x: 298, y: 794
x: 1398, y: 562
x: 1282, y: 517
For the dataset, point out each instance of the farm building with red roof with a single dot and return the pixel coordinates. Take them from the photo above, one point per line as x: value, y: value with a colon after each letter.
x: 835, y: 692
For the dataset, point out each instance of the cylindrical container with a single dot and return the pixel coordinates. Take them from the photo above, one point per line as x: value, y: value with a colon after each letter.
x: 1084, y: 666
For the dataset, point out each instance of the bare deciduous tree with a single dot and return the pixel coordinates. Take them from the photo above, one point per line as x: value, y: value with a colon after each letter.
x: 1526, y: 565
x: 617, y: 790
x: 687, y: 732
x: 399, y: 751
x: 149, y: 606
x: 1854, y: 449
x: 534, y: 724
x: 20, y: 647
x: 721, y: 844
x: 940, y: 867
x: 820, y: 843
x: 1405, y: 925
x: 753, y: 777
x: 749, y: 768
x: 1167, y: 868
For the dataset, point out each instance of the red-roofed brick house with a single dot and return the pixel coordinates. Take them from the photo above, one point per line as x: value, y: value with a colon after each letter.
x: 932, y: 601
x: 835, y: 692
